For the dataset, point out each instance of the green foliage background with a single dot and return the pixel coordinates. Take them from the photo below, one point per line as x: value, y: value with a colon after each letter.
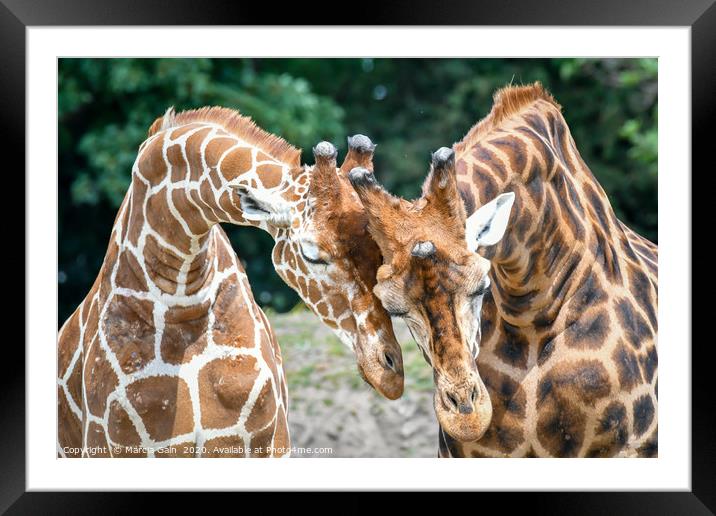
x: 408, y: 106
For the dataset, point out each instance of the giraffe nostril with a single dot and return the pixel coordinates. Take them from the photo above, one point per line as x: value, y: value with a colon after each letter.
x: 452, y: 400
x: 389, y: 361
x: 473, y: 396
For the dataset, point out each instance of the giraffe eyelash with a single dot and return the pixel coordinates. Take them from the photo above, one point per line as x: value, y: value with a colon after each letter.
x: 311, y: 260
x: 480, y: 291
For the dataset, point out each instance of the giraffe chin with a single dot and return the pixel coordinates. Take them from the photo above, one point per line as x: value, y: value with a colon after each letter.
x: 388, y: 385
x: 465, y: 427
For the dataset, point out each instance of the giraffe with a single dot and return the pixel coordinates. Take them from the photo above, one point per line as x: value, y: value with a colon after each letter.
x: 436, y: 284
x: 567, y: 345
x: 169, y: 354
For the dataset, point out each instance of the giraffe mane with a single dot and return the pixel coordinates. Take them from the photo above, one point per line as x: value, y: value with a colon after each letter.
x: 234, y: 122
x: 507, y: 102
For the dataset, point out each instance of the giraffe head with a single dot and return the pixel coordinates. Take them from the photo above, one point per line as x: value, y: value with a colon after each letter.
x: 324, y: 251
x: 433, y: 278
x: 220, y: 167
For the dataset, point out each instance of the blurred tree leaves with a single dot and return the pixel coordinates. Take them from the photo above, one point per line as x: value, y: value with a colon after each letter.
x: 409, y: 107
x: 115, y: 101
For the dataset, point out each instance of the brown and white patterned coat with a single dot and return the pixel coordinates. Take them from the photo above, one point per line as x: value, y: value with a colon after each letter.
x: 564, y: 363
x: 169, y: 353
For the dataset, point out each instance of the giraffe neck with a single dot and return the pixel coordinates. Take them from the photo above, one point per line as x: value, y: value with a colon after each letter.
x: 191, y: 177
x: 170, y: 267
x: 563, y: 230
x: 180, y: 191
x: 568, y: 346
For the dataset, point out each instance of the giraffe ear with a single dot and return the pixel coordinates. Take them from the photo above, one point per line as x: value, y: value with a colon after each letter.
x: 488, y: 224
x: 261, y: 206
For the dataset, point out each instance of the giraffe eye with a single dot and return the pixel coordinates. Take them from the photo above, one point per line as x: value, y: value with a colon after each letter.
x: 315, y: 261
x: 395, y: 308
x: 311, y: 253
x: 478, y: 292
x: 482, y: 289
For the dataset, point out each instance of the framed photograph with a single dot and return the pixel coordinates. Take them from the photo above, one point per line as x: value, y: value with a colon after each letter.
x: 366, y: 249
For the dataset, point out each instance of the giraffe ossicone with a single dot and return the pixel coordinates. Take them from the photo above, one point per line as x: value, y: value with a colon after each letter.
x: 361, y: 143
x: 325, y: 150
x: 169, y: 354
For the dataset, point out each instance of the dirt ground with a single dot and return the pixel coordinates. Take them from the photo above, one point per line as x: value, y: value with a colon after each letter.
x: 331, y: 407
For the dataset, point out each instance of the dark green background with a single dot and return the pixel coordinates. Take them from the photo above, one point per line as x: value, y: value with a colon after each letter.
x: 409, y: 107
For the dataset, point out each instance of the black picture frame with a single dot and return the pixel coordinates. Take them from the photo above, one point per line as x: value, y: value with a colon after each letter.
x: 700, y: 15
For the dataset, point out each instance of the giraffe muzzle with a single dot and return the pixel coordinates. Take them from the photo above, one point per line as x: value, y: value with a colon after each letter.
x: 464, y: 411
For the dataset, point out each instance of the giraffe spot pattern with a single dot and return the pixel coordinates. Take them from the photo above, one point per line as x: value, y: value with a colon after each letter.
x: 560, y: 426
x: 97, y: 445
x: 509, y: 403
x: 224, y: 387
x: 158, y: 254
x: 512, y: 347
x: 74, y: 382
x: 184, y: 203
x: 70, y: 428
x: 515, y: 150
x: 634, y: 325
x: 232, y: 331
x: 588, y: 332
x: 612, y: 432
x: 128, y: 273
x: 649, y: 363
x: 487, y: 321
x: 545, y: 348
x: 129, y: 328
x: 650, y: 448
x: 571, y: 209
x: 70, y: 333
x: 281, y: 442
x: 163, y: 271
x: 122, y: 431
x: 589, y: 293
x: 264, y: 409
x: 98, y: 373
x: 185, y: 330
x: 642, y: 288
x: 627, y: 367
x: 585, y: 380
x: 164, y: 404
x: 262, y: 441
x: 468, y: 198
x: 160, y: 218
x: 270, y: 175
x: 643, y: 414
